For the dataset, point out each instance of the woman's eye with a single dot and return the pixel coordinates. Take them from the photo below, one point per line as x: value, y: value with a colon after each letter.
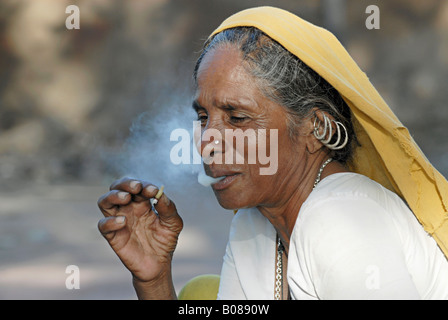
x: 239, y: 119
x: 202, y: 118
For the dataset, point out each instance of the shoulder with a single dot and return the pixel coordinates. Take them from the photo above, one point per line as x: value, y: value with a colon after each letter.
x: 348, y: 184
x: 348, y: 224
x: 343, y: 193
x: 346, y: 209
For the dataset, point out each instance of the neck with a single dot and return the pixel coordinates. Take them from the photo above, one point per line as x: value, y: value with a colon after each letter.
x: 293, y: 192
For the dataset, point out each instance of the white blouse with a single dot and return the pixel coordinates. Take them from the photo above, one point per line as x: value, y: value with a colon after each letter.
x: 353, y: 239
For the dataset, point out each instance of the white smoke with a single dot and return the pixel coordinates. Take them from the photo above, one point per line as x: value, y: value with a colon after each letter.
x: 145, y: 155
x: 146, y: 152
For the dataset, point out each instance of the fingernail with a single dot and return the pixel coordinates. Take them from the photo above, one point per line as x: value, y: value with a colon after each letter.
x: 122, y: 194
x: 134, y: 184
x: 120, y: 219
x: 151, y: 189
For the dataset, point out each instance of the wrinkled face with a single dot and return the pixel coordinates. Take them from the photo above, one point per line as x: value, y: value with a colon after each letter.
x: 232, y: 110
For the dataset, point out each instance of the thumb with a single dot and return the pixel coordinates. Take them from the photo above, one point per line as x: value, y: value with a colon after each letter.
x: 167, y: 211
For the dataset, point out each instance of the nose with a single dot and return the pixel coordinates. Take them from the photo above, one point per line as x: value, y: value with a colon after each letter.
x: 209, y: 139
x: 212, y: 146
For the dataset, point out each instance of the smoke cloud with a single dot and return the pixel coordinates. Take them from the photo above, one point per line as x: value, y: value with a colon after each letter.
x: 146, y: 153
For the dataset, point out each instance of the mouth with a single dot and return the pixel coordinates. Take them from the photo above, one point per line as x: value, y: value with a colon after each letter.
x: 217, y: 178
x: 207, y: 180
x: 225, y: 181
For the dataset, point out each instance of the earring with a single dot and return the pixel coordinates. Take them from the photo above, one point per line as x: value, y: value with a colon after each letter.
x: 328, y: 127
x: 316, y: 128
x: 336, y: 146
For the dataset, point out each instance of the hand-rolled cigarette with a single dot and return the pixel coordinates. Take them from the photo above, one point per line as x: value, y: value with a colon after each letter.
x: 158, y: 195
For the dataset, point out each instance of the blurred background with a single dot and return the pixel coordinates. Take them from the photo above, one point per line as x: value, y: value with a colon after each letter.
x: 80, y: 108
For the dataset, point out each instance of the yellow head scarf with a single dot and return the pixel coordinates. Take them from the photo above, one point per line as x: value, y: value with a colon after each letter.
x: 388, y: 154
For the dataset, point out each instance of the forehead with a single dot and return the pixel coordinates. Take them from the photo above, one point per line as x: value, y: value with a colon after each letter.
x: 222, y: 77
x: 225, y: 59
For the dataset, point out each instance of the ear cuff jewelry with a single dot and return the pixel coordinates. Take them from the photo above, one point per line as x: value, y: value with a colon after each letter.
x: 326, y: 133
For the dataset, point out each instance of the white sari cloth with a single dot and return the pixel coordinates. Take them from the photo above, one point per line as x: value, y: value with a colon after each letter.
x: 353, y: 239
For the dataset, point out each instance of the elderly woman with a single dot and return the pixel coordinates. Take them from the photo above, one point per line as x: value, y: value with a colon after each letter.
x: 335, y: 220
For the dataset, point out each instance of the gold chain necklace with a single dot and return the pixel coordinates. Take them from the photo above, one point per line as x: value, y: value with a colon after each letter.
x: 278, y: 292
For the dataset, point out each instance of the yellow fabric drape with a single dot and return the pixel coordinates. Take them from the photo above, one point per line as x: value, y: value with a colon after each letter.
x: 388, y: 154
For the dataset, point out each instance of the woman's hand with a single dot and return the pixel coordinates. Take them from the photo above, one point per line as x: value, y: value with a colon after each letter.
x: 143, y: 240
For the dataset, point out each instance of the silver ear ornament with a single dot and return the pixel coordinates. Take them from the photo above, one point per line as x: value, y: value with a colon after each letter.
x: 336, y: 145
x: 328, y: 127
x: 318, y: 136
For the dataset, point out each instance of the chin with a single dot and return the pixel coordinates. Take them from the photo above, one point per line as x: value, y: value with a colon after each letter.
x: 229, y: 200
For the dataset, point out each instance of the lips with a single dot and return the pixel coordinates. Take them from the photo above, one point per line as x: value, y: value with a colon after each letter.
x: 225, y: 182
x: 225, y: 175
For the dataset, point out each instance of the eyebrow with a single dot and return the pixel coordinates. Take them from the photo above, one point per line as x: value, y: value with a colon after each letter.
x: 196, y: 106
x: 228, y: 107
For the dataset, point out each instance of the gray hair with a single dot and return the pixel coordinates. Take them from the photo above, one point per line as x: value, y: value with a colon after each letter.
x: 285, y: 79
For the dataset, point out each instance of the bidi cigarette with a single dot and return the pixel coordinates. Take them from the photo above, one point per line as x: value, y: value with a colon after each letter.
x: 158, y: 195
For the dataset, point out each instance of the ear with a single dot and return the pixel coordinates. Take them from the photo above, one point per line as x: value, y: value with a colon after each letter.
x: 316, y: 118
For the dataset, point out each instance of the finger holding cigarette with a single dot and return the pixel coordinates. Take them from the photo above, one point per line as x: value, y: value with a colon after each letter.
x: 166, y: 208
x: 158, y: 195
x: 152, y: 192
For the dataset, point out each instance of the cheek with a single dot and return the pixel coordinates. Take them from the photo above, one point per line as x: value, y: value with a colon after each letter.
x: 285, y: 155
x: 241, y: 147
x: 274, y: 160
x: 268, y: 151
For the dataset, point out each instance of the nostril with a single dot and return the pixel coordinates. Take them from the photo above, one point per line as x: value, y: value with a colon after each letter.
x: 212, y: 153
